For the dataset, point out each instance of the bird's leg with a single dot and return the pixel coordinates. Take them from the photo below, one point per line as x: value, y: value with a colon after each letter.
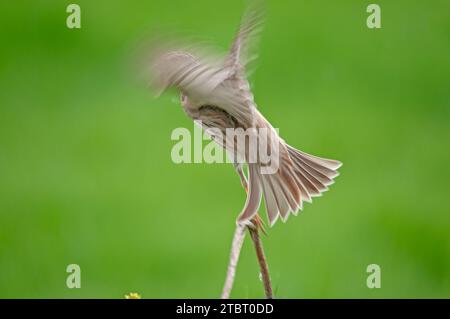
x: 259, y: 224
x: 240, y: 171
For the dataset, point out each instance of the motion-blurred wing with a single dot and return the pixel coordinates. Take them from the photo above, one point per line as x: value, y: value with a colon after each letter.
x: 195, y: 76
x: 241, y: 51
x: 205, y: 81
x: 235, y: 88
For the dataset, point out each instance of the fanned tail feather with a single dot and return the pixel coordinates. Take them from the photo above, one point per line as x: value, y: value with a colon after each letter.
x: 300, y: 177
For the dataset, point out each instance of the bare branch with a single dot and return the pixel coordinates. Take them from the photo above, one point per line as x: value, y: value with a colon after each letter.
x: 238, y: 239
x: 264, y: 268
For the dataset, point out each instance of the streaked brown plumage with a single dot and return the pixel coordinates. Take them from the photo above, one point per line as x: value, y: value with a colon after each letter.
x: 218, y: 94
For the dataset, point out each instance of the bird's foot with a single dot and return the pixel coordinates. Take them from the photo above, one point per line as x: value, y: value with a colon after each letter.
x: 259, y: 224
x: 254, y: 224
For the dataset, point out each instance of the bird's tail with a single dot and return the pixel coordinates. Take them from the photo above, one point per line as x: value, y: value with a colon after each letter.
x: 300, y: 177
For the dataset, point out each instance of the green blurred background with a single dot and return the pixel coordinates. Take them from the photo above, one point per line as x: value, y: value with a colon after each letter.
x: 86, y: 175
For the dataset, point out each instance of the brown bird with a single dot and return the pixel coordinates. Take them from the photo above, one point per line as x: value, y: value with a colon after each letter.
x: 217, y: 93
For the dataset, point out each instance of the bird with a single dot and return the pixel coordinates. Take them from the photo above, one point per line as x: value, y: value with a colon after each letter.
x: 215, y: 92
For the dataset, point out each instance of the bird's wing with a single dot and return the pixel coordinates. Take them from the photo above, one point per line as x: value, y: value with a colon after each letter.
x: 241, y: 52
x: 235, y: 89
x: 194, y: 75
x: 204, y: 79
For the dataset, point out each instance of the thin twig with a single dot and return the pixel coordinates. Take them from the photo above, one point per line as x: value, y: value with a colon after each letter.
x: 254, y: 234
x: 238, y: 240
x: 236, y: 246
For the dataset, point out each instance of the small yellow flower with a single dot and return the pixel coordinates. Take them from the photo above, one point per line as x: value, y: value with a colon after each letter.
x: 133, y: 295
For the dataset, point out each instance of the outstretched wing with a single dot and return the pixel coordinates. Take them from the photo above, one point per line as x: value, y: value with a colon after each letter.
x: 206, y: 79
x: 241, y: 52
x: 236, y: 88
x: 195, y: 76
